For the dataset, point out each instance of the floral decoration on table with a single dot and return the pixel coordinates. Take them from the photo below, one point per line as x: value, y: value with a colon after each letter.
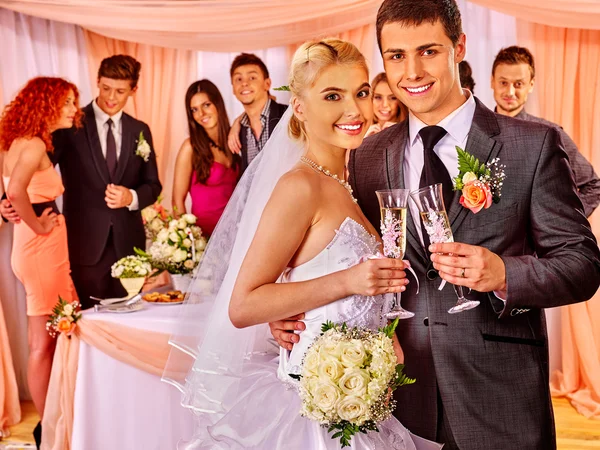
x: 63, y: 319
x: 143, y: 149
x: 347, y: 379
x: 155, y: 217
x: 177, y: 247
x: 481, y: 184
x: 133, y: 266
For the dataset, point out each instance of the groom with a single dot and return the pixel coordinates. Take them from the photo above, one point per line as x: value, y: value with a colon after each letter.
x: 482, y: 375
x: 107, y: 180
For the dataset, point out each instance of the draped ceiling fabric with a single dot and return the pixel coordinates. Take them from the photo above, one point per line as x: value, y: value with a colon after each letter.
x: 222, y: 26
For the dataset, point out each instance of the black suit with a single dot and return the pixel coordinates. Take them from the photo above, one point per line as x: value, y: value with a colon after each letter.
x: 276, y: 111
x: 98, y: 235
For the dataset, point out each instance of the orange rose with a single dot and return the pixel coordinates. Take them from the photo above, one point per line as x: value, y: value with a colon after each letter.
x: 476, y: 196
x: 65, y: 326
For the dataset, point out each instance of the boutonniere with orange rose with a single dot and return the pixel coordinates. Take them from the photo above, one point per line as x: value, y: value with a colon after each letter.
x: 64, y: 318
x: 481, y: 184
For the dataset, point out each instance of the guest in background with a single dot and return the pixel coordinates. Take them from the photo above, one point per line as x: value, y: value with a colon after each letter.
x: 251, y: 83
x: 466, y: 76
x: 40, y: 255
x: 205, y: 167
x: 387, y: 108
x: 513, y: 78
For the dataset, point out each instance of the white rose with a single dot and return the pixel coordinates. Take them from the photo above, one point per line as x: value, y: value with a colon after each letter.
x: 332, y: 347
x: 468, y: 177
x: 181, y: 224
x: 330, y: 368
x: 186, y: 243
x: 118, y: 272
x: 352, y: 409
x: 174, y: 236
x: 353, y: 353
x: 163, y: 235
x: 179, y: 255
x: 200, y: 244
x: 143, y: 272
x: 325, y: 395
x: 156, y: 224
x: 354, y: 382
x: 189, y: 264
x: 149, y: 213
x: 189, y: 218
x: 68, y: 309
x: 143, y: 148
x: 311, y: 363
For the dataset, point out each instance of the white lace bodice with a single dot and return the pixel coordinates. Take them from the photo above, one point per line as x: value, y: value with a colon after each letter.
x: 351, y: 243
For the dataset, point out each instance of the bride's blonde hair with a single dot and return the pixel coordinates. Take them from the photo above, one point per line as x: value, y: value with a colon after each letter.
x: 309, y: 61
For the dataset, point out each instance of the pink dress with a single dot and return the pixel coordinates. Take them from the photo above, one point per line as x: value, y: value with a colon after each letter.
x: 210, y: 198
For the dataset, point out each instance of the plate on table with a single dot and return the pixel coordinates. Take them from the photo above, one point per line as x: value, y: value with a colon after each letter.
x: 164, y: 298
x: 120, y: 309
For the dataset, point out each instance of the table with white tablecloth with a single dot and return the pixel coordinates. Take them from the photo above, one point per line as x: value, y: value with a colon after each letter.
x: 117, y: 406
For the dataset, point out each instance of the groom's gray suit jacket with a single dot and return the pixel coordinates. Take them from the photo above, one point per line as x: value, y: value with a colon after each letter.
x: 490, y: 364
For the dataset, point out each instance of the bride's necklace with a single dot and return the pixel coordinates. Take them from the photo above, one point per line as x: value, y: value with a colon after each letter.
x: 318, y: 168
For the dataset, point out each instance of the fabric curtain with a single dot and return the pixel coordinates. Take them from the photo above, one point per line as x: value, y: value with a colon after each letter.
x: 32, y: 47
x: 10, y: 408
x: 571, y: 57
x: 584, y: 14
x: 228, y: 26
x: 165, y: 76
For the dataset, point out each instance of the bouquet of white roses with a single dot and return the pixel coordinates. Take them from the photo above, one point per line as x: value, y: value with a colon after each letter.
x: 177, y: 248
x: 347, y: 378
x: 133, y: 266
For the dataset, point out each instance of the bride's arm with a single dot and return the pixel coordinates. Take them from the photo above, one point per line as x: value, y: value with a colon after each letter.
x: 284, y: 223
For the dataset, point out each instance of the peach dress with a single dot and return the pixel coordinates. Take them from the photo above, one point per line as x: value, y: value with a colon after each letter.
x: 41, y: 263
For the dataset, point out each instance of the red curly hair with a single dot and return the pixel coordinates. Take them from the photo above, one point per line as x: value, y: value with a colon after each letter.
x: 35, y: 110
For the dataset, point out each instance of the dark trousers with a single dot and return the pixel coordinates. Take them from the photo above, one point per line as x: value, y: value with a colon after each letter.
x: 96, y: 280
x: 444, y: 432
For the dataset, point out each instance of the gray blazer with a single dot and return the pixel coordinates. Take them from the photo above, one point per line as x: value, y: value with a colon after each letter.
x: 490, y: 364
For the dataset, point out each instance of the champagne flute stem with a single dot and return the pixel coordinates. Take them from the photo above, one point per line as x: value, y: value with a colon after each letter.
x: 459, y: 293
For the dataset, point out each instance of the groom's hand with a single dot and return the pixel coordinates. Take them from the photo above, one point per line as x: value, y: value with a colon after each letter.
x: 117, y: 196
x: 283, y: 330
x: 470, y: 266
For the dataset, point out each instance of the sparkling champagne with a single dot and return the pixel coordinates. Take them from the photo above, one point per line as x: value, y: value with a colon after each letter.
x: 393, y: 221
x: 437, y: 226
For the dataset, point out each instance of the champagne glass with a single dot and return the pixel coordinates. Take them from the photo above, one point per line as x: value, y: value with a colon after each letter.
x: 393, y: 204
x: 430, y: 202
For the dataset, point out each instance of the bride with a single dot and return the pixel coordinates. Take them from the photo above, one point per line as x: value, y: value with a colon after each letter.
x: 291, y: 240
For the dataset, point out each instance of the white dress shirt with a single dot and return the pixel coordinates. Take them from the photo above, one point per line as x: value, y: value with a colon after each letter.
x: 117, y: 129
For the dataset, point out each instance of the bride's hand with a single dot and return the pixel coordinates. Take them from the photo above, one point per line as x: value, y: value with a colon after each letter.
x: 376, y: 277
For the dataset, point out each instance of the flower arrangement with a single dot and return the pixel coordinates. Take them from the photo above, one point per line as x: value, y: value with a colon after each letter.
x: 155, y: 217
x: 63, y: 319
x: 481, y: 184
x: 143, y: 149
x: 133, y: 266
x: 178, y: 247
x: 347, y: 378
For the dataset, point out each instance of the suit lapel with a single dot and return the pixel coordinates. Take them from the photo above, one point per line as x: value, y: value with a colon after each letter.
x: 93, y: 139
x: 481, y: 145
x: 127, y: 141
x: 395, y: 180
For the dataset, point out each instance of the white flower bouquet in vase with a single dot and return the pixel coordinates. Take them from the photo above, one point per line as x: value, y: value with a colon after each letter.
x: 177, y: 249
x: 132, y: 272
x: 347, y: 379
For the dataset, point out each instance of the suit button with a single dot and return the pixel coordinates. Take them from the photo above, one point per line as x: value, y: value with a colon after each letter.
x: 432, y: 274
x: 426, y: 321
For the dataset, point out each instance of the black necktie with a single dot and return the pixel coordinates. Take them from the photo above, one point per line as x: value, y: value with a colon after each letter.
x: 434, y: 172
x: 111, y: 150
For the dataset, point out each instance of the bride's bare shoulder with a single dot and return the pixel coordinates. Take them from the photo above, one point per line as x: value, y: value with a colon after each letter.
x: 300, y: 182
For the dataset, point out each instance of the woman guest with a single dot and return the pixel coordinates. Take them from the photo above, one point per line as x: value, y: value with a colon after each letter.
x: 40, y: 258
x: 388, y: 110
x: 205, y: 166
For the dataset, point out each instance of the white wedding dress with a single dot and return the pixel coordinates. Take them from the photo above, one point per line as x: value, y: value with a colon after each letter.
x: 265, y: 413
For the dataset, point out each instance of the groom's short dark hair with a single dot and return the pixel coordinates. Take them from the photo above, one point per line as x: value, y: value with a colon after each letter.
x: 121, y: 67
x: 416, y: 12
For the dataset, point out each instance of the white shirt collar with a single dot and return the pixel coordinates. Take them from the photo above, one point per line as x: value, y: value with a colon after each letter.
x: 457, y: 123
x: 102, y: 117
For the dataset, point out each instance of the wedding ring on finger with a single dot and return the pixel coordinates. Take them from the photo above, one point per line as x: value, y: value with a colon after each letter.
x: 462, y: 274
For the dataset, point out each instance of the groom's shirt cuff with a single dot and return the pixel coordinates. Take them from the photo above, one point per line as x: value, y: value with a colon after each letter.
x: 501, y: 295
x: 135, y: 204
